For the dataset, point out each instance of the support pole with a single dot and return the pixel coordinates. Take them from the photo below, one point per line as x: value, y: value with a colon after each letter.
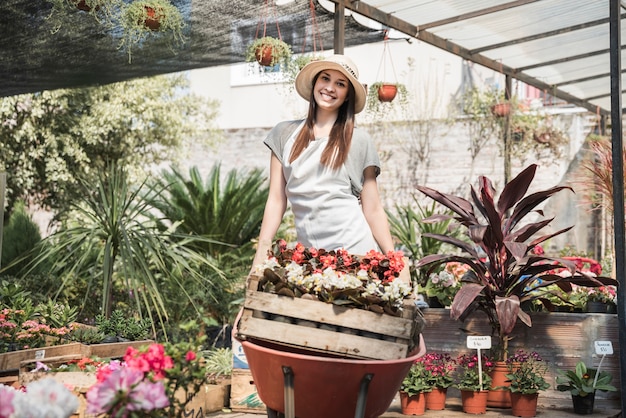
x: 3, y: 188
x: 618, y: 180
x: 506, y: 130
x: 340, y: 28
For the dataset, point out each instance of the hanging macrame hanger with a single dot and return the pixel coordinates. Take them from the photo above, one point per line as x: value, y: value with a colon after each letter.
x: 386, y: 51
x: 264, y: 20
x: 315, y: 33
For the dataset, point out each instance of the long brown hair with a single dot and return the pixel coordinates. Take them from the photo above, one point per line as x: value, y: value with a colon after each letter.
x: 340, y: 138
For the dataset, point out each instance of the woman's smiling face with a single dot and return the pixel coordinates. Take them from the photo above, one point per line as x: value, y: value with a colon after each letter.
x: 330, y: 90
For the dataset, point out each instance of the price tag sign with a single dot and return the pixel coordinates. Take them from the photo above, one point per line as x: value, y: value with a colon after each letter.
x: 603, y: 348
x: 480, y: 342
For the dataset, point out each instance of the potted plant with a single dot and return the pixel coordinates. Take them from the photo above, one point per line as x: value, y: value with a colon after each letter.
x: 102, y: 10
x: 602, y: 299
x: 504, y: 270
x: 412, y: 389
x: 438, y: 369
x: 268, y: 51
x: 142, y: 19
x: 472, y: 383
x: 526, y: 379
x: 582, y: 383
x: 442, y: 286
x: 381, y: 92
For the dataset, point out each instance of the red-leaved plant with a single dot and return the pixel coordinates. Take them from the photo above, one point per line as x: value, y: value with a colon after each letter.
x: 504, y: 270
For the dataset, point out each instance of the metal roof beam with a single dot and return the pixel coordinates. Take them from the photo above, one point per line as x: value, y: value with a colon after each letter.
x: 428, y: 37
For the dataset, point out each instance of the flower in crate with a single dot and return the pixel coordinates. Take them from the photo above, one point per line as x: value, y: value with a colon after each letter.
x: 526, y: 372
x: 443, y: 285
x: 367, y: 281
x: 468, y: 377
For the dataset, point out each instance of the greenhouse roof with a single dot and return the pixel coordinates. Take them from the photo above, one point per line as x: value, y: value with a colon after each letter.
x: 559, y: 46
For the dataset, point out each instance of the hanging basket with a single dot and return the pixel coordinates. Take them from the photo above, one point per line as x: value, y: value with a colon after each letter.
x: 387, y: 92
x: 153, y: 18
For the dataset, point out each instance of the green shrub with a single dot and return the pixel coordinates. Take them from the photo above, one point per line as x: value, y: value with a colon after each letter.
x: 19, y: 236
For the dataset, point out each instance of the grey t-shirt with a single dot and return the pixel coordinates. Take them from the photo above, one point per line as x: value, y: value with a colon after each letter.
x: 362, y: 152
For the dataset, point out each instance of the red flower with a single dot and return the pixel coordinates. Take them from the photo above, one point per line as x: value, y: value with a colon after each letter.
x: 190, y: 356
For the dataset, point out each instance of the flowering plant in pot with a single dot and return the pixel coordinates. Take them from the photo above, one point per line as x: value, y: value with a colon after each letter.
x: 46, y: 397
x: 504, y: 269
x: 526, y: 373
x: 582, y: 383
x: 473, y: 380
x: 143, y: 19
x: 412, y: 389
x: 443, y: 285
x: 468, y: 378
x: 268, y: 51
x: 366, y: 282
x: 526, y: 379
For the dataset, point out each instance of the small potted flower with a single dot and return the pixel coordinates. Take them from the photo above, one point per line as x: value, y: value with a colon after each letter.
x: 439, y: 369
x: 413, y: 387
x: 268, y: 51
x: 526, y: 377
x: 473, y: 383
x: 442, y: 286
x: 602, y: 299
x: 582, y: 383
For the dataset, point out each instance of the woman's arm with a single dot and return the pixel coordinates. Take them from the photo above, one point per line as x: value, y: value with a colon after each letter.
x: 374, y: 211
x: 274, y: 210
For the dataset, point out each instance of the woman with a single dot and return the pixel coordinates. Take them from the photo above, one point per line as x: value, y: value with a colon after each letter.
x: 326, y: 168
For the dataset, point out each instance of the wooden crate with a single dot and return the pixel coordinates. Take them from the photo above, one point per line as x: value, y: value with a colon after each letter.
x: 328, y: 328
x: 243, y: 393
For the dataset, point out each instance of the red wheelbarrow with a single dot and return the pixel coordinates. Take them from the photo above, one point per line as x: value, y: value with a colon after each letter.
x: 305, y: 384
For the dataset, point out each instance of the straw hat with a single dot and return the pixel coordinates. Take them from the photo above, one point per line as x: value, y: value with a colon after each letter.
x: 341, y: 63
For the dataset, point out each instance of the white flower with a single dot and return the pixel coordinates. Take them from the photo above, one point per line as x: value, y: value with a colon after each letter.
x: 270, y: 263
x: 45, y: 398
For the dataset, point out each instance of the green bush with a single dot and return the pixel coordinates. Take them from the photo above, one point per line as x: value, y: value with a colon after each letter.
x: 19, y: 236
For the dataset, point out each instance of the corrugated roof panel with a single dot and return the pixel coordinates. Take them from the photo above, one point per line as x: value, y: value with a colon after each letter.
x: 419, y: 12
x: 552, y: 48
x: 520, y: 22
x: 573, y: 70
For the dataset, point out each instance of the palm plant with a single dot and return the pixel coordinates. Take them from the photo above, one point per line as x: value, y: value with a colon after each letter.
x: 504, y: 269
x: 117, y: 238
x: 227, y: 214
x: 407, y: 227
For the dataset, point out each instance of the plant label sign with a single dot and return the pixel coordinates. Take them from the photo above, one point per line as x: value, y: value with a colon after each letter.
x: 603, y: 348
x: 480, y: 342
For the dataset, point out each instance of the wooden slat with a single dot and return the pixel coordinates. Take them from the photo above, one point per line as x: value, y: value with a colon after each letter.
x: 354, y: 346
x: 330, y: 314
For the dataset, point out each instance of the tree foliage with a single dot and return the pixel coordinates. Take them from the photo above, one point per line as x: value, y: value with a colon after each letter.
x: 49, y: 139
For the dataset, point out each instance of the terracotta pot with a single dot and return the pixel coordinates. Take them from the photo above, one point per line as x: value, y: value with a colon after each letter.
x: 413, y: 405
x: 264, y: 54
x: 501, y: 109
x: 499, y: 398
x: 524, y: 405
x: 387, y: 92
x: 153, y: 21
x: 583, y: 405
x: 81, y: 5
x: 474, y: 402
x: 436, y: 399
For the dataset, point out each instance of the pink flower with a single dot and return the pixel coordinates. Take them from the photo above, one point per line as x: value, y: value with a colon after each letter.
x: 190, y: 356
x: 147, y: 396
x: 7, y: 393
x: 102, y: 397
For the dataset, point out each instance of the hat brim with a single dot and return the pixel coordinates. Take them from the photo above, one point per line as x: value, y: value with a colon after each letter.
x: 304, y: 81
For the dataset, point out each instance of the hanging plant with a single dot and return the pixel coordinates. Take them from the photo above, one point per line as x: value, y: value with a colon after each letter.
x: 142, y: 19
x: 380, y: 95
x: 102, y: 10
x: 268, y: 51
